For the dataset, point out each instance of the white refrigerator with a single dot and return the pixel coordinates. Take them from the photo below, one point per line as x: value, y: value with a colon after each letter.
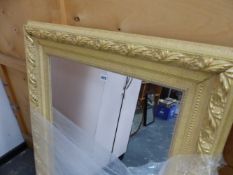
x: 93, y: 99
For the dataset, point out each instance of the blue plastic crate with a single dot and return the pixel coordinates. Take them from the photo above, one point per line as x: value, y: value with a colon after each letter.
x: 166, y: 109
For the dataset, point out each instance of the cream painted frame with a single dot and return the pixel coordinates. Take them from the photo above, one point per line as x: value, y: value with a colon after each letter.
x: 204, y: 72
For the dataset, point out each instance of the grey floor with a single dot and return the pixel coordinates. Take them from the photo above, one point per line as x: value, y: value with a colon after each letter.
x: 151, y: 143
x: 22, y: 164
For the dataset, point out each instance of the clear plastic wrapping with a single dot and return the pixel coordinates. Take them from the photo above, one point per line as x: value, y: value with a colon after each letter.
x: 72, y: 152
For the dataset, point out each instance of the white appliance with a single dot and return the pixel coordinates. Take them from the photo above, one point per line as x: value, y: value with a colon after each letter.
x: 92, y: 98
x: 10, y: 135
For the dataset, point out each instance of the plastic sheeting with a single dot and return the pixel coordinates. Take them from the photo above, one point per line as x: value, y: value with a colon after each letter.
x: 62, y: 148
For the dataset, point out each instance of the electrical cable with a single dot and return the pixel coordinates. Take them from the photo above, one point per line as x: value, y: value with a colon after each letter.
x: 128, y: 82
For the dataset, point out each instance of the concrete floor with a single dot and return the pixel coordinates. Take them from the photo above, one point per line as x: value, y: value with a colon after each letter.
x: 22, y: 164
x: 151, y: 143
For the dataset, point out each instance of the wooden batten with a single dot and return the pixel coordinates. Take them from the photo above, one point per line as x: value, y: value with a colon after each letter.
x: 14, y: 102
x: 12, y: 62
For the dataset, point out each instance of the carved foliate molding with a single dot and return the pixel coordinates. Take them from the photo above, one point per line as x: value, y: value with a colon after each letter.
x: 188, y: 60
x: 217, y: 104
x: 205, y: 63
x: 32, y: 58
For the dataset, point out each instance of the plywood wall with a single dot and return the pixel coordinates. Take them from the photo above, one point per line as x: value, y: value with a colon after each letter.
x: 209, y: 21
x: 193, y: 20
x: 13, y: 15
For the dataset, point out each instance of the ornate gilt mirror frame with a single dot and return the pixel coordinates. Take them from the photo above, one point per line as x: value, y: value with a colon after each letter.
x: 203, y: 72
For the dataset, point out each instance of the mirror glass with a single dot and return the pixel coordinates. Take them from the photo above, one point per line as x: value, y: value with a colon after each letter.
x: 132, y: 118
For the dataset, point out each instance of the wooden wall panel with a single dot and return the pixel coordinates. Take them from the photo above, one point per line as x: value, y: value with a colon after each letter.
x: 14, y: 14
x: 19, y: 84
x: 15, y: 63
x: 193, y: 20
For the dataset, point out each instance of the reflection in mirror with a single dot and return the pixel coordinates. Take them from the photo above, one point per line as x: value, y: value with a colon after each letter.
x: 134, y: 119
